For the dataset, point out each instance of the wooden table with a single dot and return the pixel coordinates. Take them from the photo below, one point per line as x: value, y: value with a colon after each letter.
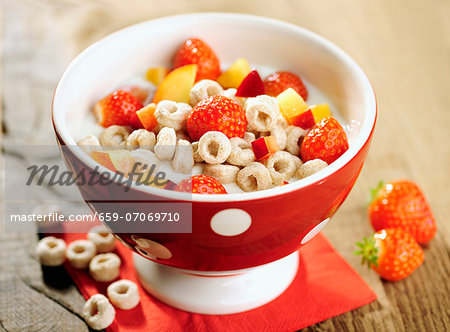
x: 403, y: 46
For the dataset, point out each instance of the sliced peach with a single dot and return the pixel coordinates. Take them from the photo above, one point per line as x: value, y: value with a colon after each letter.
x: 320, y: 111
x: 103, y: 159
x: 177, y: 85
x: 156, y: 74
x: 251, y: 86
x: 264, y: 147
x: 304, y: 120
x: 291, y: 104
x: 121, y: 160
x: 234, y: 76
x: 146, y: 116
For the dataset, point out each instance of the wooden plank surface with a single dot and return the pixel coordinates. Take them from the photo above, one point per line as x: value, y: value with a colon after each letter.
x: 404, y: 48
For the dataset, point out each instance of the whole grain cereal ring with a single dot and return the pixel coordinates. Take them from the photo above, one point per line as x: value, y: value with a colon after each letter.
x: 281, y: 167
x: 105, y: 267
x: 165, y: 143
x: 262, y: 112
x: 254, y: 177
x: 231, y: 93
x: 197, y: 157
x: 249, y: 136
x: 222, y: 173
x: 297, y: 161
x: 241, y: 152
x: 142, y: 138
x: 204, y: 89
x: 98, y: 312
x: 280, y: 136
x: 123, y: 294
x: 51, y: 251
x: 282, y: 122
x: 115, y: 135
x: 144, y: 161
x: 183, y: 160
x: 295, y: 136
x: 172, y: 114
x: 89, y: 144
x: 311, y: 167
x: 80, y: 252
x: 214, y: 147
x: 102, y: 238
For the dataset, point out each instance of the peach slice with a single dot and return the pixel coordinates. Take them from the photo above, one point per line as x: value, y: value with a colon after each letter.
x: 177, y: 85
x: 251, y: 86
x: 234, y: 76
x: 311, y: 116
x: 116, y: 160
x: 146, y: 116
x: 320, y: 111
x: 264, y: 147
x: 103, y: 159
x: 291, y: 104
x: 156, y: 75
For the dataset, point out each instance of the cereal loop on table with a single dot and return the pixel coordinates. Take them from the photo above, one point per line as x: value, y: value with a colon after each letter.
x: 311, y: 167
x: 197, y: 157
x: 254, y: 177
x: 172, y: 114
x: 80, y: 252
x: 281, y: 167
x: 98, y: 312
x: 280, y: 136
x: 115, y: 135
x: 214, y: 147
x: 165, y: 143
x: 262, y: 112
x: 183, y: 160
x: 204, y: 89
x: 222, y: 173
x: 241, y: 152
x: 105, y: 267
x: 51, y: 251
x: 142, y: 138
x: 295, y: 136
x: 102, y: 238
x: 123, y: 294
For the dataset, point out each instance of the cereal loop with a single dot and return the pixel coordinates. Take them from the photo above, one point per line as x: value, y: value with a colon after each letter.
x: 105, y: 267
x: 89, y: 144
x: 254, y: 177
x: 262, y: 113
x: 123, y: 294
x: 249, y: 137
x: 281, y: 167
x: 98, y: 312
x: 51, y: 251
x: 222, y: 173
x: 281, y: 137
x: 241, y: 152
x: 231, y: 93
x: 80, y: 252
x: 204, y: 89
x: 142, y: 138
x: 102, y: 238
x: 171, y: 114
x: 214, y: 147
x: 183, y: 160
x: 165, y: 143
x: 197, y: 157
x: 311, y: 167
x: 115, y: 135
x: 143, y: 161
x: 295, y: 136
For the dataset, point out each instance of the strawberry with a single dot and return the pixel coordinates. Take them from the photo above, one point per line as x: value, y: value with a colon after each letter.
x: 117, y: 108
x: 196, y: 51
x: 201, y: 184
x: 326, y: 140
x: 402, y: 204
x: 276, y: 83
x: 217, y: 113
x: 392, y: 253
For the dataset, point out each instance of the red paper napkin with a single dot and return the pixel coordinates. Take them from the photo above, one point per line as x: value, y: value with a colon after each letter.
x: 325, y: 286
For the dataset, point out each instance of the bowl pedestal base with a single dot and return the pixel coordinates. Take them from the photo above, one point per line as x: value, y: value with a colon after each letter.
x: 217, y: 293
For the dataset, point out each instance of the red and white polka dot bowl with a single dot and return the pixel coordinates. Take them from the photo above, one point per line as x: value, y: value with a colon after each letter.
x: 233, y: 232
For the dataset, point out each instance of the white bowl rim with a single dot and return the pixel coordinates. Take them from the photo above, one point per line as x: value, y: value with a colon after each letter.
x: 363, y: 136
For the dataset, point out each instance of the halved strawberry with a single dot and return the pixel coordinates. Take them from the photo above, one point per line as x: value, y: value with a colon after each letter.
x: 201, y: 184
x: 196, y: 51
x: 276, y: 83
x: 117, y: 108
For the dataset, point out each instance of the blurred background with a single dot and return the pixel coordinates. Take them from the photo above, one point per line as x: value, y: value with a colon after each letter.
x: 403, y: 46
